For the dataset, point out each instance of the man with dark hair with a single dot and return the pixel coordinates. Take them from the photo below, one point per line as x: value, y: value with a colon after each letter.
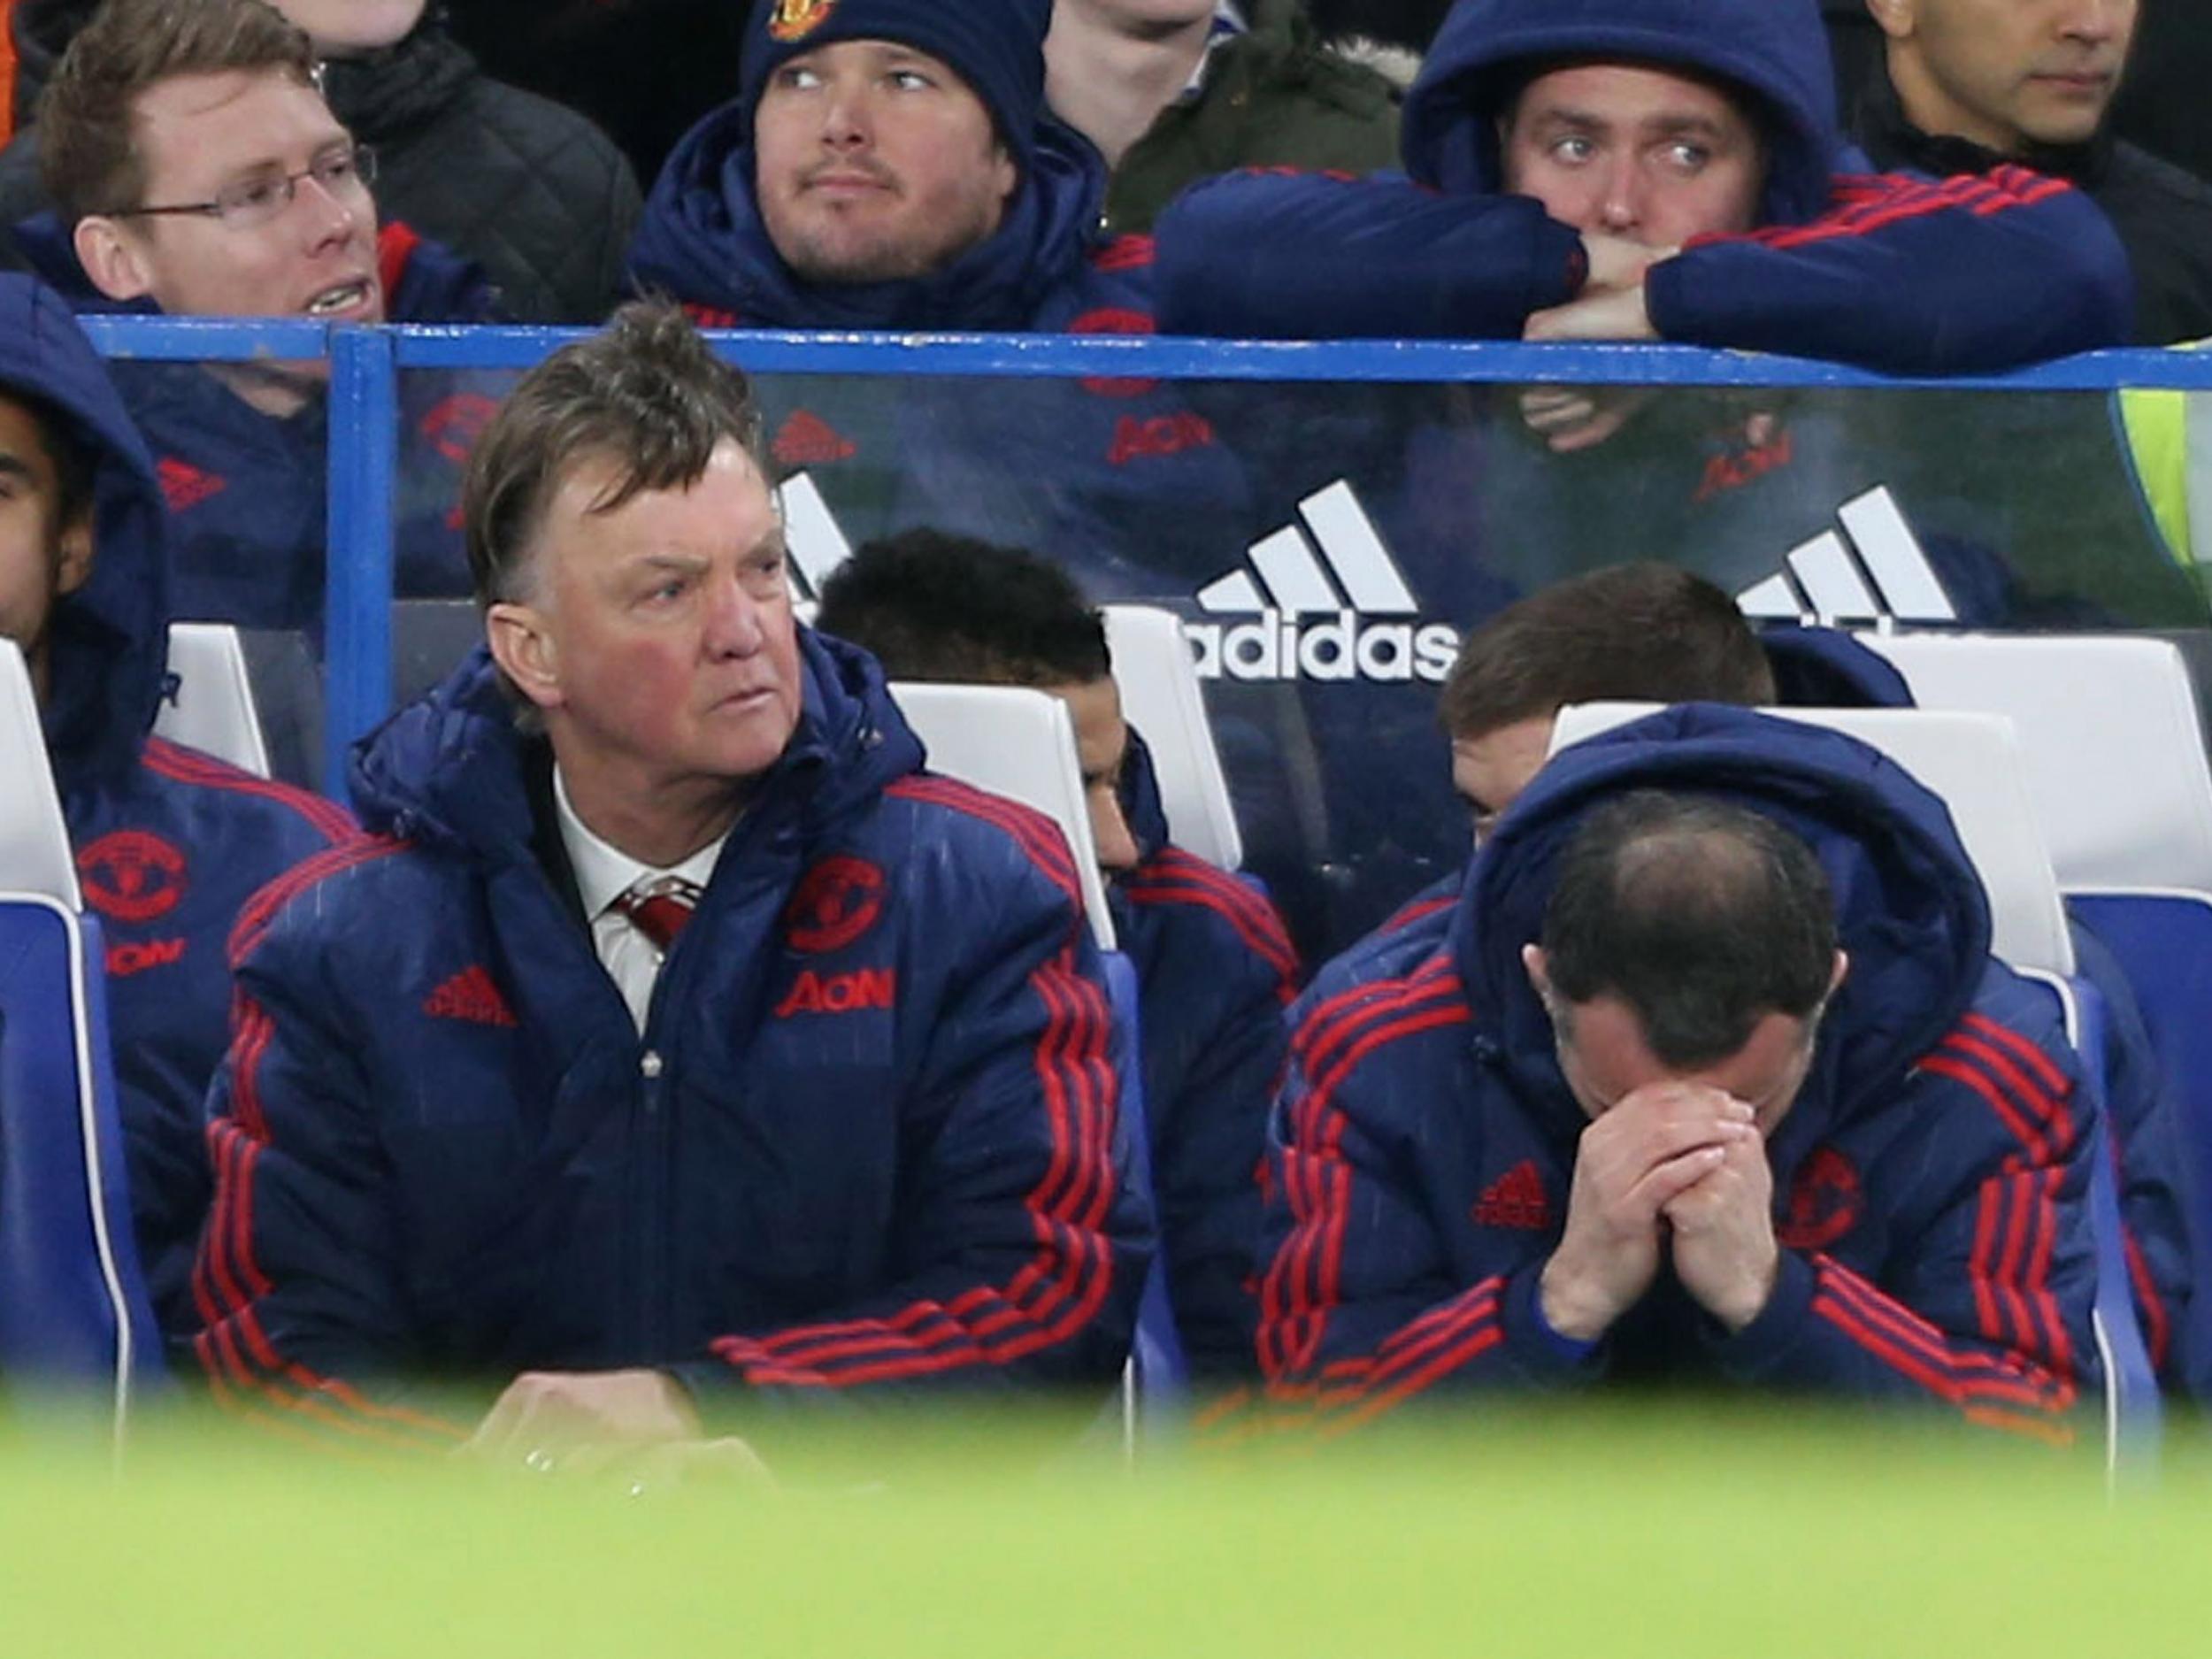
x: 196, y: 170
x: 1651, y: 633
x: 1668, y: 1094
x: 1982, y: 86
x: 1646, y: 169
x: 700, y: 1086
x: 169, y: 843
x: 1215, y: 966
x: 1643, y: 632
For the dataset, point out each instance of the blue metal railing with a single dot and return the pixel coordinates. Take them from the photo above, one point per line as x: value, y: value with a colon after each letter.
x: 365, y: 364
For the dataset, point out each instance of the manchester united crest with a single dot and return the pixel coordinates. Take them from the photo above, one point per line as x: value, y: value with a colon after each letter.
x: 1825, y: 1202
x: 836, y: 903
x: 795, y: 20
x: 129, y: 876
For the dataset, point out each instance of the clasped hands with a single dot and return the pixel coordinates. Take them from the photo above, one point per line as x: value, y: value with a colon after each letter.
x: 635, y: 1430
x: 1673, y: 1168
x: 1610, y: 307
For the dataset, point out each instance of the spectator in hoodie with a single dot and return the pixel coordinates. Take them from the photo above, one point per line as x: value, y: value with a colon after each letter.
x: 1214, y: 967
x: 1980, y: 86
x: 169, y: 843
x: 196, y: 170
x: 891, y: 165
x: 1173, y: 91
x: 1646, y: 169
x: 531, y: 191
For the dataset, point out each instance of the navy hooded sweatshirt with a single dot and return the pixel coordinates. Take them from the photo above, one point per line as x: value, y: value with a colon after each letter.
x: 169, y: 843
x: 1893, y: 271
x: 867, y: 1141
x: 1931, y: 1181
x: 249, y: 489
x: 1118, y: 475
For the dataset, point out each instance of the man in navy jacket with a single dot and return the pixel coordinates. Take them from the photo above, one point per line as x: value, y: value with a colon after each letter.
x: 1215, y: 966
x: 891, y: 165
x: 169, y: 843
x: 1638, y: 169
x: 674, y: 1039
x: 1706, y: 1072
x: 196, y: 170
x: 1655, y: 634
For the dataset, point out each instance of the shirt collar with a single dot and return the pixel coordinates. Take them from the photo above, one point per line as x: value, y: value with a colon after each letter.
x: 605, y: 872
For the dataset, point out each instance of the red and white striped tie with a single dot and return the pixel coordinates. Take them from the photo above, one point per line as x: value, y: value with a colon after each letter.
x: 659, y: 908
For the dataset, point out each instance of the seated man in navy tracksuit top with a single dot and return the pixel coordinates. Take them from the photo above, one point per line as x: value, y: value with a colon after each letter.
x: 1215, y: 966
x: 196, y: 170
x: 169, y: 843
x: 1707, y: 1074
x: 674, y: 1039
x: 1641, y: 169
x: 1655, y: 634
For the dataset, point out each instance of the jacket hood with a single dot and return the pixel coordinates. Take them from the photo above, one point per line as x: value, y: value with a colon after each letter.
x: 447, y: 769
x: 109, y: 640
x: 702, y: 239
x: 1827, y: 668
x: 1775, y: 49
x: 1910, y: 910
x: 1140, y: 802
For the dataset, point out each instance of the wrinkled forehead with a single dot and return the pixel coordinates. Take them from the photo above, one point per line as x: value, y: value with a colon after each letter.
x: 1629, y: 95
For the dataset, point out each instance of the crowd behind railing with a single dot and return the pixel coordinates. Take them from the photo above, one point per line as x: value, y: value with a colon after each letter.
x: 654, y: 1056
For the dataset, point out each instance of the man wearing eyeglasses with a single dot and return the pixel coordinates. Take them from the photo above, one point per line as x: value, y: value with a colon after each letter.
x: 196, y: 170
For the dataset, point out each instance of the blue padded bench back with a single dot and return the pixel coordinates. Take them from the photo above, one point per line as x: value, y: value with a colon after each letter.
x: 73, y: 1306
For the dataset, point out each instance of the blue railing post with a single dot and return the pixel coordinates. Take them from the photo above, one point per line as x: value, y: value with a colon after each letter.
x: 358, y: 617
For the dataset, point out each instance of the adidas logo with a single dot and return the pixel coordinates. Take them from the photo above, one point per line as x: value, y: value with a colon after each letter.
x: 184, y: 485
x: 1515, y: 1199
x: 1306, y: 626
x: 807, y: 440
x: 471, y: 996
x: 1872, y: 569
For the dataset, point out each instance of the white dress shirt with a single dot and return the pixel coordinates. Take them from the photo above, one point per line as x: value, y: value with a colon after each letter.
x: 603, y: 874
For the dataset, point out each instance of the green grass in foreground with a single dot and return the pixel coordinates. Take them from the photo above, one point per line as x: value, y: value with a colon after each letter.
x: 1706, y: 1530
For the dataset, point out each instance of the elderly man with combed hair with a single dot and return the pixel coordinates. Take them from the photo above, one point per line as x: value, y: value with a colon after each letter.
x: 680, y: 1055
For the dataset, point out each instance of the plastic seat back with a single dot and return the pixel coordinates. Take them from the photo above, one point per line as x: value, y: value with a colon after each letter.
x: 2134, y: 1413
x: 1021, y: 743
x: 1018, y: 743
x: 74, y: 1309
x: 2109, y: 730
x: 1160, y: 697
x: 213, y: 709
